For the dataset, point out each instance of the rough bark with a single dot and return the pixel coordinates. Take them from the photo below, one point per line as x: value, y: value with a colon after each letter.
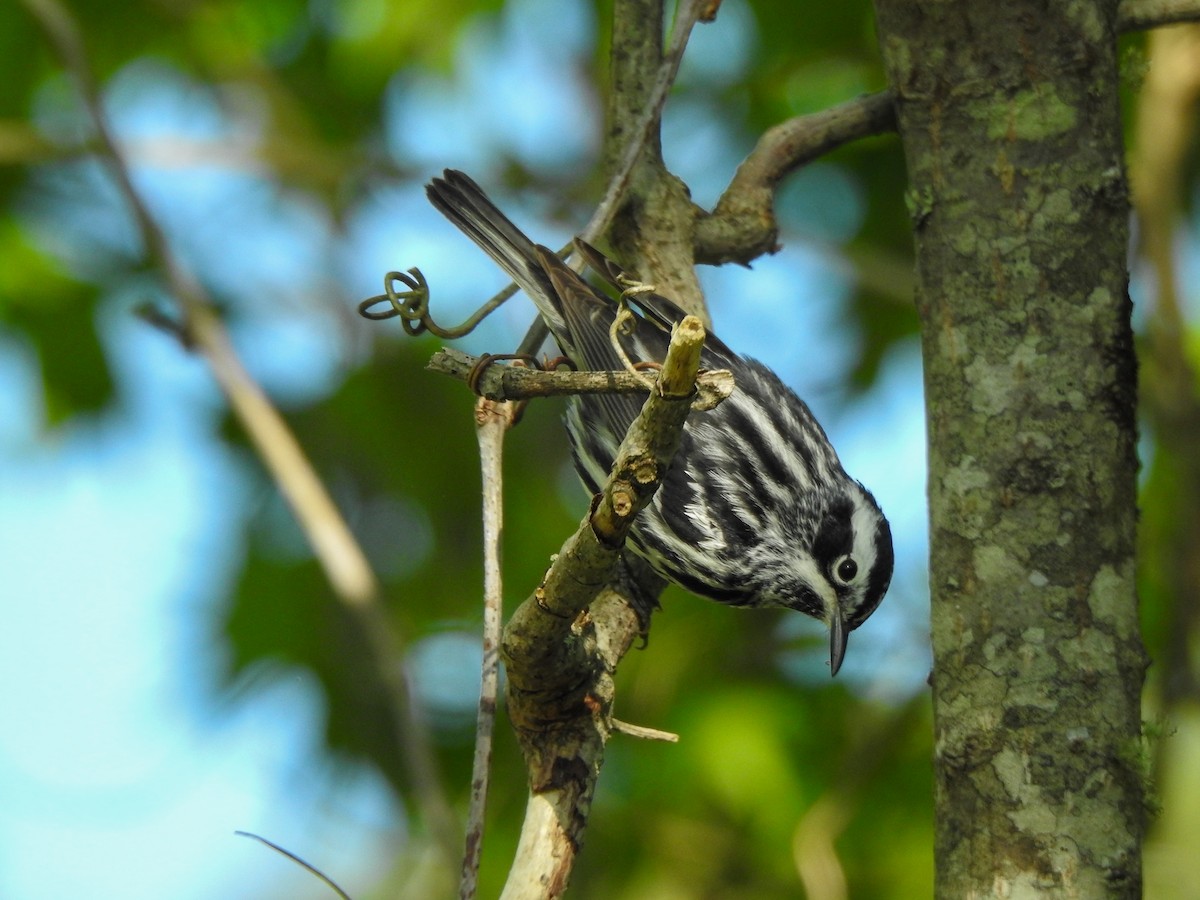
x: 651, y: 231
x: 562, y: 645
x: 1010, y: 122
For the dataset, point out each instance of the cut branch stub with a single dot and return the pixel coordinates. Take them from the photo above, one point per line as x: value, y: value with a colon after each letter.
x: 557, y: 701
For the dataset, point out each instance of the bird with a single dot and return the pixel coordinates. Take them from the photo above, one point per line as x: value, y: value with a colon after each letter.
x: 756, y: 509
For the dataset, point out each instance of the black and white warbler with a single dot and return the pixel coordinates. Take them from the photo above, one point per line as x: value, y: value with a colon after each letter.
x: 756, y: 509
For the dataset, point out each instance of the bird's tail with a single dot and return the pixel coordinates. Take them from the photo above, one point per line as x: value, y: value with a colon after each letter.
x: 465, y: 204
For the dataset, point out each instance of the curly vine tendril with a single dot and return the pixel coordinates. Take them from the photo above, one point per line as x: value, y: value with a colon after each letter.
x: 412, y: 306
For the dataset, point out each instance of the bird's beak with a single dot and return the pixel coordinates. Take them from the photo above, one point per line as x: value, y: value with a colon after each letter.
x: 837, y: 639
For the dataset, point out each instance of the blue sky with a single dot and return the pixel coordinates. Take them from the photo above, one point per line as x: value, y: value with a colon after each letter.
x: 125, y: 775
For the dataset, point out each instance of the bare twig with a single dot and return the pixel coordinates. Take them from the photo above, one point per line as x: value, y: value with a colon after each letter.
x: 497, y: 382
x: 643, y: 732
x: 333, y: 885
x: 559, y: 665
x: 492, y: 421
x: 338, y: 552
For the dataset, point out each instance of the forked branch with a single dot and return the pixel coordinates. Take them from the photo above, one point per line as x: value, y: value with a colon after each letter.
x: 742, y: 226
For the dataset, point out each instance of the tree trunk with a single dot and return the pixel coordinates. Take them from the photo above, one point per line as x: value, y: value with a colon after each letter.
x: 1011, y: 127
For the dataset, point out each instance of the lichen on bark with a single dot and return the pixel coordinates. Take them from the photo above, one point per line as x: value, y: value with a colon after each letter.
x: 1010, y: 121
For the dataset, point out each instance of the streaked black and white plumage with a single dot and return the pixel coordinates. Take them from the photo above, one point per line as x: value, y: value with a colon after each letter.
x: 756, y: 509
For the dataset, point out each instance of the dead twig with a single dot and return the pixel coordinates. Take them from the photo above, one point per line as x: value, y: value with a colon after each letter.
x: 499, y: 382
x: 492, y: 421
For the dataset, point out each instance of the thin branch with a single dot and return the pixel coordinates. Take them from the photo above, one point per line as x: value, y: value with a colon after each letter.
x: 335, y: 547
x: 492, y: 421
x: 690, y: 12
x: 787, y: 146
x: 333, y: 885
x: 1141, y: 15
x: 643, y: 732
x: 559, y: 658
x: 499, y: 382
x: 742, y: 225
x: 556, y: 653
x: 338, y: 552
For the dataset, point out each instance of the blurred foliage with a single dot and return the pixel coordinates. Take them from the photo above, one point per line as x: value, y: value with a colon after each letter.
x: 773, y: 773
x: 57, y: 313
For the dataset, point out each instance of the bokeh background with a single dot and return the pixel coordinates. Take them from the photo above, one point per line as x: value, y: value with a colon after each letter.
x: 173, y: 665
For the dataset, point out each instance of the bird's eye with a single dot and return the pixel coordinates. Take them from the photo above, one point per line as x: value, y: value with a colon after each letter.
x: 845, y: 569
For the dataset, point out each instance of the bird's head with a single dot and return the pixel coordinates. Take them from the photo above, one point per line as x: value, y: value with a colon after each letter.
x: 843, y: 568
